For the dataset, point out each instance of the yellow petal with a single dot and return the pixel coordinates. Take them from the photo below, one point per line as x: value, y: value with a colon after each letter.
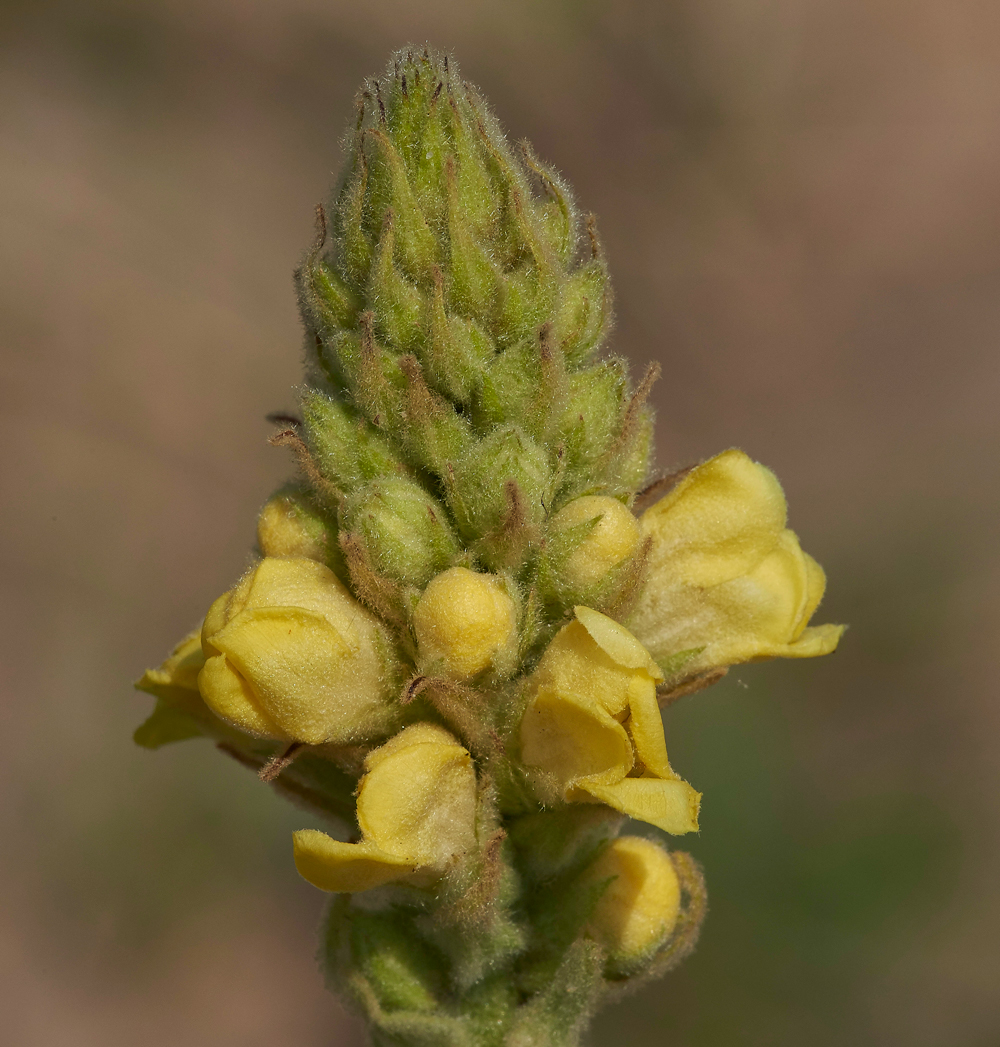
x: 575, y: 664
x: 415, y: 734
x: 815, y: 587
x: 814, y: 641
x: 229, y: 695
x: 179, y: 670
x: 616, y: 641
x: 716, y: 524
x: 281, y: 582
x: 646, y: 727
x: 573, y: 738
x: 302, y: 673
x: 334, y: 866
x: 669, y: 805
x: 639, y: 908
x: 419, y: 803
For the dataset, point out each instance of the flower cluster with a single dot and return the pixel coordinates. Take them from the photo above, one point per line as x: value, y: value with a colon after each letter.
x: 456, y: 640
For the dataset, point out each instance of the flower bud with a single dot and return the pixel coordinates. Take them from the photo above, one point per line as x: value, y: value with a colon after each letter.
x: 727, y: 581
x: 290, y: 654
x: 416, y: 811
x: 636, y: 913
x: 291, y: 525
x: 592, y: 718
x: 464, y: 622
x: 598, y: 533
x: 404, y: 529
x: 590, y: 420
x: 479, y: 496
x: 347, y: 450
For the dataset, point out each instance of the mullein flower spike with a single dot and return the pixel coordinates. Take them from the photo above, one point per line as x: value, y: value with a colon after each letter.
x: 458, y: 633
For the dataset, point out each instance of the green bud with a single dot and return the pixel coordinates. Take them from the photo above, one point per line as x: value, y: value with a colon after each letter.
x: 348, y: 452
x: 417, y: 249
x: 590, y: 423
x: 404, y: 529
x: 583, y: 315
x: 457, y: 350
x: 397, y: 305
x: 403, y: 971
x: 327, y: 302
x: 483, y: 482
x: 526, y: 384
x: 434, y: 432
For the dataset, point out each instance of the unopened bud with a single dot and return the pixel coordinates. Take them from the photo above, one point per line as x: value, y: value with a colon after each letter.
x: 463, y: 622
x: 404, y: 529
x: 290, y: 525
x: 347, y: 450
x: 480, y: 499
x: 637, y: 912
x: 602, y: 534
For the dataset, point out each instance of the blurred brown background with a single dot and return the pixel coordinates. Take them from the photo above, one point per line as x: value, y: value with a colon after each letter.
x: 801, y: 207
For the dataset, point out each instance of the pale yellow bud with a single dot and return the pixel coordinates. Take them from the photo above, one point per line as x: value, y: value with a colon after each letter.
x: 613, y: 538
x: 727, y: 581
x: 290, y: 654
x: 593, y: 717
x: 285, y: 529
x: 639, y: 908
x: 416, y: 810
x: 463, y: 621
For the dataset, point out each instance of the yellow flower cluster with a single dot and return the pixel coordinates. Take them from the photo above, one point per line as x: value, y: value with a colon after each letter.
x: 290, y: 654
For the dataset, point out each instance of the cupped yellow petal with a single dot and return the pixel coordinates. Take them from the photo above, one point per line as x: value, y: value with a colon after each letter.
x: 416, y: 811
x: 420, y: 803
x: 669, y: 805
x: 180, y: 670
x: 285, y: 582
x: 312, y: 661
x: 815, y: 588
x: 616, y: 641
x: 814, y: 641
x: 463, y: 620
x: 645, y: 724
x: 344, y: 867
x: 639, y: 908
x: 299, y: 669
x: 572, y: 738
x: 575, y: 664
x: 716, y: 524
x: 228, y: 695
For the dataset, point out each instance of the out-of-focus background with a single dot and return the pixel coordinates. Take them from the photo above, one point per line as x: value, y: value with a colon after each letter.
x: 801, y: 209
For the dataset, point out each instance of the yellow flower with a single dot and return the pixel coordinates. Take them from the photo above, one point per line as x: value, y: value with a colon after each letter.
x: 593, y: 726
x: 464, y: 622
x: 290, y: 654
x: 727, y: 580
x: 416, y: 810
x: 639, y: 908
